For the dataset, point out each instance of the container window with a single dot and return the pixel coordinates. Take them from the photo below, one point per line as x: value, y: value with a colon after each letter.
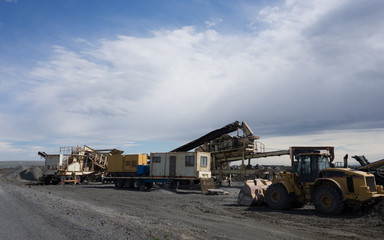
x: 189, y: 161
x: 203, y: 161
x: 127, y: 163
x: 156, y: 159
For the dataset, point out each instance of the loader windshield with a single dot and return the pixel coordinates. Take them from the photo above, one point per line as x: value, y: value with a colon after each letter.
x: 310, y: 165
x: 323, y: 162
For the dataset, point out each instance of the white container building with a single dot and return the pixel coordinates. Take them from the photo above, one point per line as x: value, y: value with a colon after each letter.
x: 187, y: 165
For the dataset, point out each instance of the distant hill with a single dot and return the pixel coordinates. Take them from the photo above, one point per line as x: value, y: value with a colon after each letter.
x: 12, y: 164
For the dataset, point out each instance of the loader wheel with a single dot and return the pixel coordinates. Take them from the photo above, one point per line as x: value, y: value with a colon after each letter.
x: 277, y: 197
x: 328, y: 200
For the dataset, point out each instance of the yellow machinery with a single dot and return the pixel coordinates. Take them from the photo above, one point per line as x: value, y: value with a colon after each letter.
x: 315, y: 180
x: 126, y: 164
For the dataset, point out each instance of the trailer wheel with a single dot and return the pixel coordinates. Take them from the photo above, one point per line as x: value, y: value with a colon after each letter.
x: 80, y: 180
x: 119, y: 184
x: 128, y: 183
x: 61, y: 180
x: 328, y: 200
x: 137, y: 184
x: 277, y: 197
x: 148, y: 185
x: 47, y: 180
x: 55, y: 181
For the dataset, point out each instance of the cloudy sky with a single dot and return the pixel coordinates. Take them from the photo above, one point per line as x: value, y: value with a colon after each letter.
x: 146, y: 76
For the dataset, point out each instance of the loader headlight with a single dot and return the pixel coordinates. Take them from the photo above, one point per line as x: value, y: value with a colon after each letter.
x: 379, y: 189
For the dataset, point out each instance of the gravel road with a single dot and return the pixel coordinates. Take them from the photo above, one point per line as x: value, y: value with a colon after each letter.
x: 98, y: 211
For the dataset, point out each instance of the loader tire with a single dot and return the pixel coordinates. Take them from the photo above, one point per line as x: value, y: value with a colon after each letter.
x: 277, y: 197
x: 328, y: 200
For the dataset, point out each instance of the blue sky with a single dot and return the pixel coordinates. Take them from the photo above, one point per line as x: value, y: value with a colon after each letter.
x: 147, y: 76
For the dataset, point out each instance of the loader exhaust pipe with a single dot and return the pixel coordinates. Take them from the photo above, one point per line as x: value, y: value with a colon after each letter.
x: 346, y: 160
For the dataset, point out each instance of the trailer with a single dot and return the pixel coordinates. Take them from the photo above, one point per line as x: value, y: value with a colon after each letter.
x: 169, y: 169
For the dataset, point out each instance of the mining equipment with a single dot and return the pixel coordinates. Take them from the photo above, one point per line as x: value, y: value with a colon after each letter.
x: 314, y: 180
x: 226, y: 148
x: 76, y: 164
x: 376, y: 168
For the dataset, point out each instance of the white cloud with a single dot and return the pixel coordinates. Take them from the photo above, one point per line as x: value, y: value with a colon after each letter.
x: 298, y: 72
x: 213, y: 23
x: 367, y: 142
x: 11, y: 151
x: 8, y: 147
x: 131, y: 81
x: 82, y: 40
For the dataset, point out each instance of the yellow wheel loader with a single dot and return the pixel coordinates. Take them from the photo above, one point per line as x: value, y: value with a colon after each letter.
x: 315, y: 180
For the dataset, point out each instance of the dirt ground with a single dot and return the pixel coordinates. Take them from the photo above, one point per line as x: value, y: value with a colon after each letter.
x: 97, y: 211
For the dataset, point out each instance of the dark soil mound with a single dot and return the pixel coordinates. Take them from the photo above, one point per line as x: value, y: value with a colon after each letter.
x: 23, y: 173
x: 378, y: 211
x: 31, y: 174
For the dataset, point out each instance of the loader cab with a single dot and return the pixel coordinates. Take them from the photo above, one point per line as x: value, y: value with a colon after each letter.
x: 310, y: 165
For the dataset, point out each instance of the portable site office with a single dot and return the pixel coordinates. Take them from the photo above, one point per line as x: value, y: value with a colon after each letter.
x: 190, y: 165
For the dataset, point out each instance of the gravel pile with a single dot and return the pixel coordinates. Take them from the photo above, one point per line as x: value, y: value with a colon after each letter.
x: 31, y: 174
x: 12, y: 173
x: 23, y: 174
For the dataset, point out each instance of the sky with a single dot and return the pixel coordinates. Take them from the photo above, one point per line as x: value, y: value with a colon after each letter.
x: 149, y: 76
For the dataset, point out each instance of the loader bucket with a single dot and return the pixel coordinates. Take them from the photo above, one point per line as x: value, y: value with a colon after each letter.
x: 252, y: 192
